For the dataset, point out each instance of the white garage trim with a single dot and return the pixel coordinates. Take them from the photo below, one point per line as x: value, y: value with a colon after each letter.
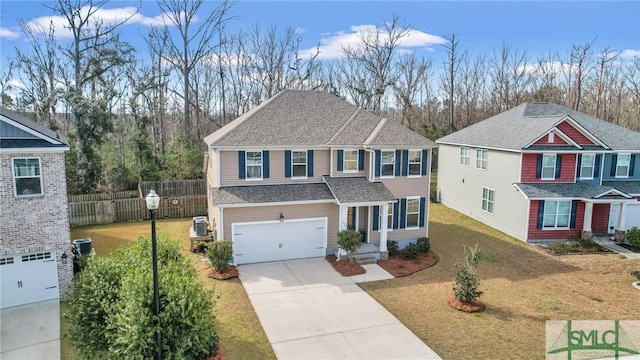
x: 28, y: 278
x: 631, y: 219
x: 264, y: 241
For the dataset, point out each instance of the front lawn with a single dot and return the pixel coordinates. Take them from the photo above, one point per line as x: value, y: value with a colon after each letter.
x: 241, y: 335
x: 524, y: 286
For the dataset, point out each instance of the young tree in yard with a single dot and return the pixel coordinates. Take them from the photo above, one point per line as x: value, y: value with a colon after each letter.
x: 111, y: 313
x: 350, y: 241
x: 465, y: 287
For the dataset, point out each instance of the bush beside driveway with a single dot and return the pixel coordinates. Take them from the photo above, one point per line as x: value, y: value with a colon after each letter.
x: 524, y: 286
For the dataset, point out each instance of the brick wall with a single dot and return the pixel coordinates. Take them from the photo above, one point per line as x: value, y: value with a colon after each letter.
x: 38, y: 223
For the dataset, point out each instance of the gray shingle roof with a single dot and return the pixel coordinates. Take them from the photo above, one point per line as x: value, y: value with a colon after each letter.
x: 43, y: 131
x: 310, y: 118
x: 270, y: 193
x: 579, y: 190
x: 629, y: 187
x: 358, y: 190
x: 517, y: 127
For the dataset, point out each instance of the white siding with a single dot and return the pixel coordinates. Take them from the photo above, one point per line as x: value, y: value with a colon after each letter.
x: 461, y: 188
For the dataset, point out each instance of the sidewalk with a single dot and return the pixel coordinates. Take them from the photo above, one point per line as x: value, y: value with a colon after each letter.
x: 608, y: 244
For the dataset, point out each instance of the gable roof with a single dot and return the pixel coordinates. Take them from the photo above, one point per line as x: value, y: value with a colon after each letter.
x: 516, y: 128
x: 579, y: 190
x: 19, y: 132
x: 307, y: 118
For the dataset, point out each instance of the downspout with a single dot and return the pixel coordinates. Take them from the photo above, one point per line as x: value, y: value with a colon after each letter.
x: 221, y: 227
x: 371, y: 164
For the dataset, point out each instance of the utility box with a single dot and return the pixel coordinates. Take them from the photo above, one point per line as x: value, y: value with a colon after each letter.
x: 200, y: 225
x: 83, y: 246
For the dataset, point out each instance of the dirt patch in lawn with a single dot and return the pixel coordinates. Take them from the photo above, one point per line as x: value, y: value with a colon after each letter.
x: 398, y: 266
x: 344, y: 268
x: 232, y: 272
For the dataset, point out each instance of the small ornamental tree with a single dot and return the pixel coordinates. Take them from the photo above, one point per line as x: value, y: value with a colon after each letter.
x: 465, y: 287
x: 350, y: 241
x: 633, y: 236
x: 219, y: 255
x: 111, y: 309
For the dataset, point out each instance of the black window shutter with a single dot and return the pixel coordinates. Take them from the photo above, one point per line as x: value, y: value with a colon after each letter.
x: 425, y: 161
x: 632, y: 164
x: 378, y: 160
x: 376, y: 216
x: 614, y: 164
x: 398, y: 161
x: 403, y: 213
x: 579, y: 165
x: 265, y: 164
x: 558, y: 166
x: 309, y: 163
x: 540, y: 213
x: 287, y: 163
x: 396, y: 215
x: 340, y: 160
x: 422, y: 209
x: 539, y: 167
x: 405, y: 162
x: 596, y: 172
x: 241, y: 167
x: 360, y: 160
x: 574, y: 211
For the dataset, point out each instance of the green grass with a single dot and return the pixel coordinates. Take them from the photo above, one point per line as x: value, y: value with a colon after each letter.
x: 241, y: 335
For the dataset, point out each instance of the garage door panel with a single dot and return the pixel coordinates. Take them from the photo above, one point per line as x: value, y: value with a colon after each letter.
x: 274, y: 241
x: 28, y: 278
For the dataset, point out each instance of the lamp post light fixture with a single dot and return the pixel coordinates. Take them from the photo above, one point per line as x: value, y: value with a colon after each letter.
x: 153, y: 202
x: 281, y: 217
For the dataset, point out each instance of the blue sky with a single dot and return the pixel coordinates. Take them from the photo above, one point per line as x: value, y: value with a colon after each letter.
x: 539, y: 27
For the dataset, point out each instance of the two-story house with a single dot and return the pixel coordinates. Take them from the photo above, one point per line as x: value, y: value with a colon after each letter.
x: 541, y: 171
x: 285, y: 177
x: 35, y: 257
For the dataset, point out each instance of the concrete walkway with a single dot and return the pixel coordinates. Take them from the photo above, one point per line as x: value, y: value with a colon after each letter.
x: 30, y: 331
x: 608, y: 244
x: 309, y: 311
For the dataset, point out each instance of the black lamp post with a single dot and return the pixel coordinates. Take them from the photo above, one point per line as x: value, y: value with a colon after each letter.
x: 153, y: 202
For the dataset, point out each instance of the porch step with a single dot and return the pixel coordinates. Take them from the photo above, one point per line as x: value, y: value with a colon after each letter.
x: 364, y: 259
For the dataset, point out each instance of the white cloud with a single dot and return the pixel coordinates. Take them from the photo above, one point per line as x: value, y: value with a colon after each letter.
x: 331, y: 44
x: 8, y: 34
x: 629, y: 54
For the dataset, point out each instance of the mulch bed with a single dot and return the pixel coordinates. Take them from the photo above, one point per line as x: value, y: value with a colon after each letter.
x: 629, y: 247
x: 398, y: 266
x: 231, y: 273
x: 344, y: 268
x: 468, y: 307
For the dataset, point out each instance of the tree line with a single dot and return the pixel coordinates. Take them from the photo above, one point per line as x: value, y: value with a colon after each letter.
x: 141, y: 114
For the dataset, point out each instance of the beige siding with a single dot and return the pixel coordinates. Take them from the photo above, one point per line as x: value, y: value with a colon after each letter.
x: 214, y: 220
x: 212, y: 169
x: 272, y: 213
x: 229, y: 169
x: 402, y: 186
x: 337, y: 173
x: 461, y: 188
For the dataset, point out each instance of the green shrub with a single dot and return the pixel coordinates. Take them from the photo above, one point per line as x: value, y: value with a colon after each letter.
x: 350, y: 241
x: 633, y: 236
x: 466, y: 283
x: 219, y: 255
x: 433, y: 195
x: 392, y: 248
x: 423, y: 244
x: 636, y: 273
x: 411, y: 252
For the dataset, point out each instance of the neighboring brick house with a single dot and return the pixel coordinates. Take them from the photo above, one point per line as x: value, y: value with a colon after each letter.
x: 285, y: 177
x: 541, y: 171
x: 35, y: 259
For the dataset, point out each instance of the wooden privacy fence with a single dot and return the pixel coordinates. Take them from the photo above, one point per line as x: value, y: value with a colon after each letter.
x: 174, y: 188
x: 123, y: 209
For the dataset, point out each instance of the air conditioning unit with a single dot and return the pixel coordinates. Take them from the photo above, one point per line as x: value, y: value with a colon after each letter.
x: 195, y: 218
x: 200, y: 226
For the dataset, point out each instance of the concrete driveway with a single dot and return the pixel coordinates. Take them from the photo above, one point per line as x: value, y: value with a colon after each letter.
x: 30, y: 331
x: 309, y: 311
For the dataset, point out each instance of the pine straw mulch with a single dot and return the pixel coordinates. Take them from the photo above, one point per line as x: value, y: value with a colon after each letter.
x: 468, y: 307
x: 398, y: 266
x: 344, y: 268
x: 231, y: 273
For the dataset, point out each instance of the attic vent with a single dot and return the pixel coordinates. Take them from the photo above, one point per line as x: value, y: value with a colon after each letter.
x: 550, y: 138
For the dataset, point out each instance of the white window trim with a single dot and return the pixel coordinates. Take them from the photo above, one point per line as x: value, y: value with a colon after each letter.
x: 389, y: 215
x: 556, y: 227
x: 246, y: 166
x: 13, y: 176
x: 467, y: 157
x: 306, y: 165
x: 419, y: 164
x: 555, y: 161
x: 344, y: 161
x: 486, y: 162
x: 628, y: 166
x: 393, y: 173
x: 493, y: 202
x: 593, y: 167
x: 406, y: 213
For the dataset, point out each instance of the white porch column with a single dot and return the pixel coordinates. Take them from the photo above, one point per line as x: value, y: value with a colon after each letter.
x: 343, y: 217
x: 621, y: 215
x: 383, y: 227
x: 587, y: 233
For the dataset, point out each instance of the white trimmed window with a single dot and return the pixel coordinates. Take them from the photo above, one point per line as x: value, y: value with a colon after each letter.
x: 557, y: 214
x: 389, y: 218
x: 487, y: 200
x: 415, y: 163
x: 254, y: 165
x: 465, y: 158
x: 622, y: 166
x: 413, y: 212
x: 481, y: 159
x: 387, y: 162
x: 27, y: 177
x: 587, y: 166
x: 350, y: 161
x: 299, y: 164
x: 549, y: 166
